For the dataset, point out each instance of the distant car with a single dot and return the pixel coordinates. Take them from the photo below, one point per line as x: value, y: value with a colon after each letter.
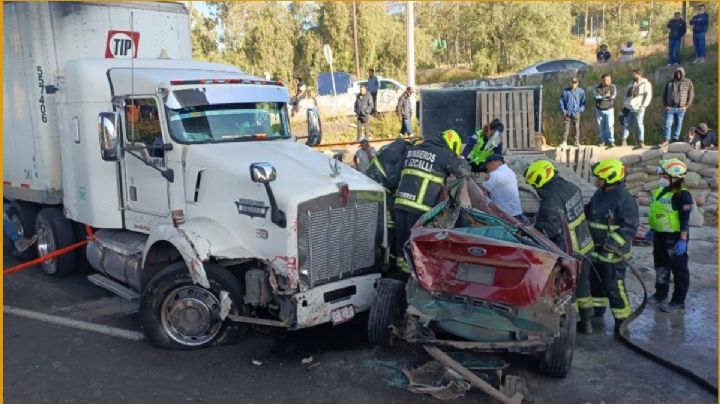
x: 385, y: 84
x: 551, y: 66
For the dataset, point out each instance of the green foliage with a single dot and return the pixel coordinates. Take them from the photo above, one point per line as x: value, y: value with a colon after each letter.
x: 704, y: 108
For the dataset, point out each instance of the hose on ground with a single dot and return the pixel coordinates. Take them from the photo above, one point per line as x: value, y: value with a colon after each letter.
x: 621, y: 334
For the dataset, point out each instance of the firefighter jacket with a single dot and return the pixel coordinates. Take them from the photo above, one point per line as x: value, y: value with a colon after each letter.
x: 613, y: 219
x: 422, y: 179
x: 557, y: 198
x: 387, y: 163
x: 477, y: 152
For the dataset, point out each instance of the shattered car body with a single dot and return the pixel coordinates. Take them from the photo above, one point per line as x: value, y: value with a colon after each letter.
x: 480, y: 275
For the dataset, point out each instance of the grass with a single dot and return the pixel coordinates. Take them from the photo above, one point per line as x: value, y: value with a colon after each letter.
x: 444, y: 75
x: 342, y: 129
x: 703, y: 109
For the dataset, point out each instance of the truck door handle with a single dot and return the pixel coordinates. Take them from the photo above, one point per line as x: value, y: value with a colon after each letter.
x: 76, y: 135
x: 133, y: 193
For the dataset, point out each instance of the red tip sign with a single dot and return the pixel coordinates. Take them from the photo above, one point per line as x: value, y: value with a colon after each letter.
x: 122, y: 44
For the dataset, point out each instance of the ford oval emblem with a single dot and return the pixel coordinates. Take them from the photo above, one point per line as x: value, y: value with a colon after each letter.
x: 477, y: 251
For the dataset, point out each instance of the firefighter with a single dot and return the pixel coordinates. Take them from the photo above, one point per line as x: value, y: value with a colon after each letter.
x: 561, y: 199
x: 425, y: 169
x: 385, y: 169
x: 669, y: 218
x: 613, y: 218
x: 483, y: 144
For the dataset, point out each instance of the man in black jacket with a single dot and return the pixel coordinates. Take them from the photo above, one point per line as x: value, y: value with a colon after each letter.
x: 677, y: 98
x: 363, y: 108
x: 561, y: 201
x: 404, y: 111
x: 604, y: 95
x: 426, y: 167
x: 676, y: 32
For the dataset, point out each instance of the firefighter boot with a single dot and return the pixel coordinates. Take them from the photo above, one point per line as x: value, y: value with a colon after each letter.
x: 584, y: 326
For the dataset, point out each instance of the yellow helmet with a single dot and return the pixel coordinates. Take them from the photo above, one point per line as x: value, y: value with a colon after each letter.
x: 673, y: 167
x: 539, y: 172
x: 609, y: 170
x: 453, y: 141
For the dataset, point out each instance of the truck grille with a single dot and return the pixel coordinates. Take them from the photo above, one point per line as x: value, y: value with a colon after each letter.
x: 338, y: 242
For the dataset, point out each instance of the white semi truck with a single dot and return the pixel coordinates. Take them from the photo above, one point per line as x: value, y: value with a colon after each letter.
x: 204, y: 208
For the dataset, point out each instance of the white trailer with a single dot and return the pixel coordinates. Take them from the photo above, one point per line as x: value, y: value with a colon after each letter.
x: 204, y: 208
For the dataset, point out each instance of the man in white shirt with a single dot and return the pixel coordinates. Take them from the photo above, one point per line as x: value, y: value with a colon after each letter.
x: 363, y: 155
x: 503, y: 187
x: 627, y: 52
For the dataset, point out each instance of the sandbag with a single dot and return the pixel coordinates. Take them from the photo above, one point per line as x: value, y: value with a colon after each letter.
x: 652, y: 154
x: 711, y: 157
x: 651, y: 185
x: 709, y: 172
x: 695, y: 155
x: 692, y: 179
x: 679, y: 147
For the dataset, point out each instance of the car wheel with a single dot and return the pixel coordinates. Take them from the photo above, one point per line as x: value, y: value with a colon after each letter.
x: 23, y: 216
x: 177, y: 314
x: 386, y: 310
x: 556, y: 360
x: 54, y: 231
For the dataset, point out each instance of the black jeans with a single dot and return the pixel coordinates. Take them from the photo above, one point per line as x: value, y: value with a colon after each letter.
x: 667, y: 263
x: 574, y: 122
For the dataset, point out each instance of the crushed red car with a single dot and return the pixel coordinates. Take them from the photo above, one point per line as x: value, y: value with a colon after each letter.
x: 483, y: 281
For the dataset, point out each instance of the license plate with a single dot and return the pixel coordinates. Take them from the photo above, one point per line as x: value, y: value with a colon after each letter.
x: 342, y: 314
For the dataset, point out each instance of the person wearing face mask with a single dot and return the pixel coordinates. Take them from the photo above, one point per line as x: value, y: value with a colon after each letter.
x: 669, y: 218
x: 613, y: 217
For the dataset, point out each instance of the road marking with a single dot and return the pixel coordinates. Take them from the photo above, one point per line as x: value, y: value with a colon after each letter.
x: 80, y: 325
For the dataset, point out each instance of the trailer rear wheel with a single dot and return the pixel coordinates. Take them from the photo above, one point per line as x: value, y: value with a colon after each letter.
x: 556, y: 360
x: 177, y: 314
x: 23, y: 216
x: 55, y: 231
x: 386, y: 310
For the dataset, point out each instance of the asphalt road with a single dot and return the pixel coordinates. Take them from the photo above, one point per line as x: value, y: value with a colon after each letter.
x: 47, y: 362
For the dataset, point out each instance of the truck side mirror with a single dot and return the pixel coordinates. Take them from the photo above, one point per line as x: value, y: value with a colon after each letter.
x: 108, y: 124
x: 262, y: 173
x: 314, y: 127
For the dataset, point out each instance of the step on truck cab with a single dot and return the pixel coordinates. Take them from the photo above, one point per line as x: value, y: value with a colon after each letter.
x: 203, y: 206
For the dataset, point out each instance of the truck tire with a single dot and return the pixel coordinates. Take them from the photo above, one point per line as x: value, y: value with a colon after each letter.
x: 55, y: 231
x: 556, y: 360
x: 82, y: 264
x: 23, y: 216
x: 386, y: 310
x: 177, y: 314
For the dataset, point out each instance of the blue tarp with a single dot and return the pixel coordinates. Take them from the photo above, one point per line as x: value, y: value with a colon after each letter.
x: 343, y: 82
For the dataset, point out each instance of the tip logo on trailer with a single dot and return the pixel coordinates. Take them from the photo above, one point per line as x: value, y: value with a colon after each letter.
x: 122, y: 44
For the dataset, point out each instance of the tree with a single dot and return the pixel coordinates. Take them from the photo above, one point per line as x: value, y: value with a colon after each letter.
x: 204, y: 37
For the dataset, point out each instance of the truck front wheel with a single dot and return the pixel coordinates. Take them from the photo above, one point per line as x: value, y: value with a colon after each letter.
x: 177, y: 314
x: 388, y: 307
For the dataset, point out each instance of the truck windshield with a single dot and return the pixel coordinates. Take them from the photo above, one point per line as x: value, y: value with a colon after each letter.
x: 229, y: 122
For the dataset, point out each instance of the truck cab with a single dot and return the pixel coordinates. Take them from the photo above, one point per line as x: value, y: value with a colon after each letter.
x: 197, y: 201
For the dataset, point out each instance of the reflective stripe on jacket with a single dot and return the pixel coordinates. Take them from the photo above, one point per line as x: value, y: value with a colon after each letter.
x: 559, y: 197
x: 422, y: 178
x: 613, y: 217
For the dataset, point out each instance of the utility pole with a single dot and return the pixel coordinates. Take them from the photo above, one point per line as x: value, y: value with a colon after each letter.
x: 410, y: 38
x: 355, y: 38
x: 410, y: 20
x: 684, y: 17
